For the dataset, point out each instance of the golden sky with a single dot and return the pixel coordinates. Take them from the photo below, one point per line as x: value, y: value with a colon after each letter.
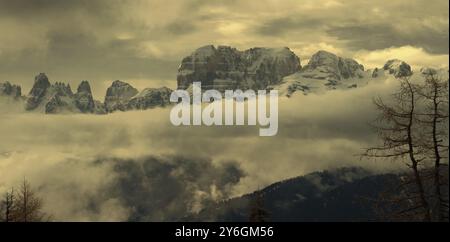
x: 145, y: 40
x: 73, y: 159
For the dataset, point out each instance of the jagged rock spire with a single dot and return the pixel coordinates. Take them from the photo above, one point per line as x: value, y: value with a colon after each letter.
x: 38, y: 91
x: 83, y: 98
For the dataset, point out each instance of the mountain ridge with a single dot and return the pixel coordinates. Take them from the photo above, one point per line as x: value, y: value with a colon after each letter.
x: 222, y: 68
x: 317, y: 196
x: 58, y: 97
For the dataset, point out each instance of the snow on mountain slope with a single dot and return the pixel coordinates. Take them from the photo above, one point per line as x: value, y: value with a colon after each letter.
x: 150, y: 97
x: 221, y: 68
x: 326, y: 71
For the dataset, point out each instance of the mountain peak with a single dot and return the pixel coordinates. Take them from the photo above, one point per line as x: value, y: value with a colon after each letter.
x: 398, y: 68
x: 84, y: 87
x: 8, y: 89
x: 225, y: 67
x: 83, y: 98
x: 150, y: 97
x: 41, y: 83
x: 118, y: 95
x: 118, y: 83
x: 326, y: 65
x: 38, y: 91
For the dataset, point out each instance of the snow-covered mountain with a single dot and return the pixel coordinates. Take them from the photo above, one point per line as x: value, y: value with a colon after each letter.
x: 219, y: 68
x: 327, y: 71
x: 226, y: 67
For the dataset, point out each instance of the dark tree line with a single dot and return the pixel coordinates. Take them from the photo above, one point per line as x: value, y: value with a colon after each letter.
x: 413, y: 129
x: 22, y: 205
x: 257, y: 210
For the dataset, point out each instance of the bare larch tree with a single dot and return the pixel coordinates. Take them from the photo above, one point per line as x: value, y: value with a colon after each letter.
x: 434, y: 120
x: 8, y: 206
x: 22, y: 205
x: 397, y: 128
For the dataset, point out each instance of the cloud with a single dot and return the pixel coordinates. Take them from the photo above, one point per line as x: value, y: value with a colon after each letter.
x: 136, y: 165
x: 433, y: 39
x: 85, y: 165
x: 416, y: 57
x: 108, y: 40
x: 168, y: 188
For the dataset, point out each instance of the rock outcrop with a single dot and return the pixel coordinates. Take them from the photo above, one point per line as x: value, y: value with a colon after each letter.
x: 83, y: 98
x: 225, y: 67
x: 150, y: 97
x: 398, y: 68
x: 56, y: 105
x: 38, y: 92
x: 326, y: 65
x: 9, y: 90
x: 219, y: 68
x: 99, y: 107
x: 118, y: 95
x: 59, y: 98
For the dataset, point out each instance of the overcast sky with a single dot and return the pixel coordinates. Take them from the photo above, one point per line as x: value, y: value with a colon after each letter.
x: 73, y: 159
x: 144, y: 41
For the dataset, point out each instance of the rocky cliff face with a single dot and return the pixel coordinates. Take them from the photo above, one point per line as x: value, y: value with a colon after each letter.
x: 326, y: 65
x: 225, y: 67
x: 83, y: 98
x: 150, y: 97
x: 118, y: 95
x: 9, y: 90
x: 219, y: 68
x: 50, y: 98
x: 398, y: 68
x: 59, y: 98
x: 38, y: 92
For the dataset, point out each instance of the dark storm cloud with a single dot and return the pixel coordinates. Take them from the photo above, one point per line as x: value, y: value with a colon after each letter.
x: 374, y: 25
x: 77, y: 53
x: 146, y: 39
x: 381, y: 36
x: 362, y: 36
x: 26, y: 8
x: 114, y: 58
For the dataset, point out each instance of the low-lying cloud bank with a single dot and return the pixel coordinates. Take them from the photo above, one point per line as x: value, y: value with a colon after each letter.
x: 137, y: 166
